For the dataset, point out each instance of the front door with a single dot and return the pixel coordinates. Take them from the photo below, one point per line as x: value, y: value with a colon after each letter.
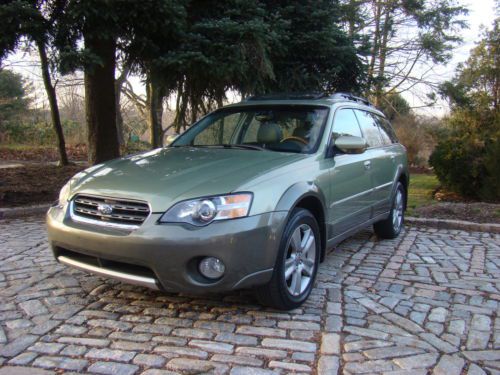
x: 350, y: 197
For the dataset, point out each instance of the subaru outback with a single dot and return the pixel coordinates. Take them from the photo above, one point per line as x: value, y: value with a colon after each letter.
x: 250, y: 196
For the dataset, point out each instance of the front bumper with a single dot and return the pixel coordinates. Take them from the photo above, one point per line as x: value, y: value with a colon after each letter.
x: 170, y: 252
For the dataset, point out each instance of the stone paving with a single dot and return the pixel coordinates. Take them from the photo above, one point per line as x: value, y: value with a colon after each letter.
x: 427, y: 302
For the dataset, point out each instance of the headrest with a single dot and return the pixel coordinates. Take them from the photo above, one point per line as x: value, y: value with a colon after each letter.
x: 269, y: 132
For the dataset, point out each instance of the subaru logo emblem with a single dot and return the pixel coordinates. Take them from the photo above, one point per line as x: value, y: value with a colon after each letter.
x: 104, y: 209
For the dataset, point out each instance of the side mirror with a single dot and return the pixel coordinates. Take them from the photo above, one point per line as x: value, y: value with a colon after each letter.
x: 351, y: 144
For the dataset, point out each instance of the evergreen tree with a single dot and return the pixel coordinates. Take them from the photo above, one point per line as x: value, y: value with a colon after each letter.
x: 13, y: 101
x: 315, y: 54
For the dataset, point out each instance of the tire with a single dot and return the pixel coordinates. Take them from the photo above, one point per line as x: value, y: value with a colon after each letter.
x: 391, y: 227
x: 296, y: 263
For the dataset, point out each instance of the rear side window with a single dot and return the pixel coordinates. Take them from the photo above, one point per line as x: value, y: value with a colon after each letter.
x: 386, y: 131
x: 369, y: 128
x: 345, y: 123
x: 390, y: 130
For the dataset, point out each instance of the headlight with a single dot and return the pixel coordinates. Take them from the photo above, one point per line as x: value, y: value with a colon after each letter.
x: 203, y: 211
x: 64, y: 194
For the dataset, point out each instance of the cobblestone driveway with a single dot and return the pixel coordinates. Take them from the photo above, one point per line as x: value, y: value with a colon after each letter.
x: 427, y: 301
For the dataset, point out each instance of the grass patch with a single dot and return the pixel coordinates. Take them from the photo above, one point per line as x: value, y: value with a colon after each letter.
x: 421, y: 189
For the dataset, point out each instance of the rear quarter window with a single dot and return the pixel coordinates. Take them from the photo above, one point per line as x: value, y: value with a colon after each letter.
x: 386, y: 130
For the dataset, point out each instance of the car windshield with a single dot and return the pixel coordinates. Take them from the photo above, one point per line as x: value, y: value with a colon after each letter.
x: 281, y: 128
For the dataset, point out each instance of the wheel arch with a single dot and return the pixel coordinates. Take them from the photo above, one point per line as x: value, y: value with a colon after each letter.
x: 310, y: 197
x: 402, y: 175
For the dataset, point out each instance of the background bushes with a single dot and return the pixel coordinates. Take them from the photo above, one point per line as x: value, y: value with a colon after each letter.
x: 41, y: 133
x: 467, y: 156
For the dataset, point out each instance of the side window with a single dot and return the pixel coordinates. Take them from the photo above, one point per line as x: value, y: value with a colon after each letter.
x: 345, y: 123
x: 386, y: 138
x: 369, y: 128
x: 387, y: 127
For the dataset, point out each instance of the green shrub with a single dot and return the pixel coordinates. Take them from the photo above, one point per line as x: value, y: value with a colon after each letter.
x: 467, y: 157
x: 41, y: 133
x: 29, y: 133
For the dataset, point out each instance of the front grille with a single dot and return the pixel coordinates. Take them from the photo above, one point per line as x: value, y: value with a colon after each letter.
x: 110, y: 210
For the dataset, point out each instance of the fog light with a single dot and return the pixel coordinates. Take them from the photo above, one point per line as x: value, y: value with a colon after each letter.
x: 212, y: 268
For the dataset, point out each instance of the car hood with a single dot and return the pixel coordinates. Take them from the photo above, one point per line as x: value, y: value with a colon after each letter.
x: 163, y: 177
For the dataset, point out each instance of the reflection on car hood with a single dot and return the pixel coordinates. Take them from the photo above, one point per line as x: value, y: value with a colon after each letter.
x: 165, y: 176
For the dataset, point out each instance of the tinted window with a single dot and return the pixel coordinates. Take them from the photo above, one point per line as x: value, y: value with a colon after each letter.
x: 369, y: 128
x: 345, y: 123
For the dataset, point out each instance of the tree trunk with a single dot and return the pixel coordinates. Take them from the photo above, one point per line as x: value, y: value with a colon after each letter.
x: 194, y: 110
x: 54, y: 108
x: 155, y: 111
x: 100, y: 106
x: 376, y: 39
x: 119, y: 119
x: 351, y: 19
x: 379, y: 87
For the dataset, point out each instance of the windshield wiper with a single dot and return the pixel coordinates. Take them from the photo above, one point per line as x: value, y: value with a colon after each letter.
x: 226, y: 145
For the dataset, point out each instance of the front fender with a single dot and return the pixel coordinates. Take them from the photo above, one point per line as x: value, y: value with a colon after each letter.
x: 297, y: 192
x: 305, y: 191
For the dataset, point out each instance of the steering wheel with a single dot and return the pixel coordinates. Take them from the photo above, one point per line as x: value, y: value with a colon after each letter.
x: 296, y: 139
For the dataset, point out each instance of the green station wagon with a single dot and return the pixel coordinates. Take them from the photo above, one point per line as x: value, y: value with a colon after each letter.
x: 251, y: 196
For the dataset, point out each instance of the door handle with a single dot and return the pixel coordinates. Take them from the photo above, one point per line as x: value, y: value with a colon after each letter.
x: 368, y: 164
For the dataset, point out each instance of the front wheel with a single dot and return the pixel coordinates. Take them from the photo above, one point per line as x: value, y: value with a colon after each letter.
x: 296, y: 263
x: 391, y: 227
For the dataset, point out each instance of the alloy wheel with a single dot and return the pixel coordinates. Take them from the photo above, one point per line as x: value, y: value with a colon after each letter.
x: 300, y: 260
x: 397, y: 211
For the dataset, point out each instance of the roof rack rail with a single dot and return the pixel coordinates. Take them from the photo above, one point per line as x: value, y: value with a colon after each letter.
x: 289, y: 96
x: 310, y: 96
x: 349, y: 96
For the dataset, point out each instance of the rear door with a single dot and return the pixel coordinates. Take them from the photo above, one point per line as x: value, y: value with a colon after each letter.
x: 389, y: 166
x: 350, y: 182
x: 382, y: 161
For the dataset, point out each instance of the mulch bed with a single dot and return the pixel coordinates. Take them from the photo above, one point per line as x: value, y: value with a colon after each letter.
x: 42, y: 154
x: 477, y: 212
x: 415, y: 169
x: 33, y: 184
